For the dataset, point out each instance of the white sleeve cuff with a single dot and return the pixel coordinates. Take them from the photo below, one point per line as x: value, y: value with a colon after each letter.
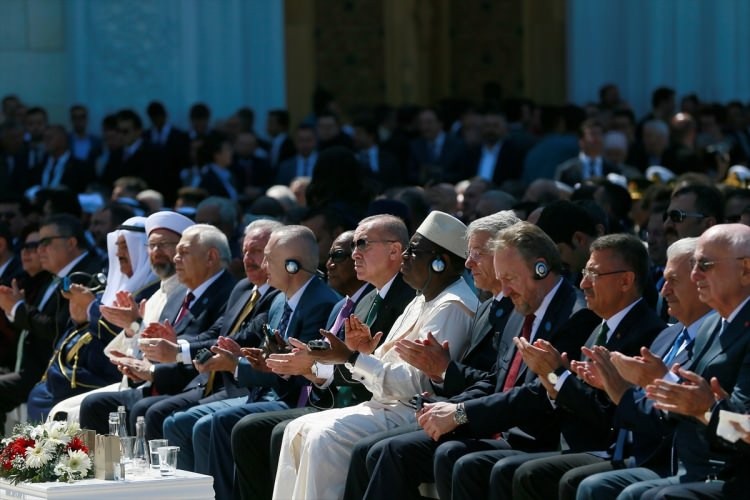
x: 326, y: 372
x: 184, y: 355
x: 670, y: 376
x: 364, y: 365
x: 12, y: 316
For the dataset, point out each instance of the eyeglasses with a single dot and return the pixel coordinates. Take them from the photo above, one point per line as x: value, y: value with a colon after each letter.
x: 413, y: 252
x: 338, y: 256
x: 161, y: 245
x: 704, y: 265
x: 362, y: 244
x: 45, y: 242
x: 592, y: 276
x: 30, y: 245
x: 475, y: 254
x: 679, y: 215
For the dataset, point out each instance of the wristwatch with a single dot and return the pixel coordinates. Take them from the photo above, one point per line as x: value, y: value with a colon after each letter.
x: 135, y: 326
x: 460, y: 415
x: 314, y: 370
x: 553, y: 377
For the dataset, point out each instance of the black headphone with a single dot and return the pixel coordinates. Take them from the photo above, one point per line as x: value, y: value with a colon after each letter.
x: 540, y: 270
x: 437, y: 264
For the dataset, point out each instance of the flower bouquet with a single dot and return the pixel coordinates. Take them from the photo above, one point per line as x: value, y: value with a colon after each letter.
x: 48, y: 452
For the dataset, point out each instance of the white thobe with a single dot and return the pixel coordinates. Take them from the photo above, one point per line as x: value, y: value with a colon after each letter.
x: 316, y: 447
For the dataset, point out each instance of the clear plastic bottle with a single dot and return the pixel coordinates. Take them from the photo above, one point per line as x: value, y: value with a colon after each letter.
x: 140, y: 451
x: 122, y: 411
x: 114, y: 423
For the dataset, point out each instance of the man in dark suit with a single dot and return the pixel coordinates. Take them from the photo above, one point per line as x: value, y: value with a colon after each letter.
x: 449, y: 377
x: 200, y: 264
x: 303, y: 163
x: 135, y: 159
x: 10, y: 268
x: 720, y: 271
x: 252, y: 172
x: 215, y: 155
x: 86, y: 147
x: 60, y: 166
x: 281, y: 146
x: 381, y: 164
x: 436, y: 156
x: 375, y: 263
x: 589, y: 163
x: 546, y: 307
x: 62, y: 252
x: 15, y: 166
x: 498, y: 157
x: 613, y: 282
x: 299, y: 311
x: 171, y: 148
x: 642, y: 437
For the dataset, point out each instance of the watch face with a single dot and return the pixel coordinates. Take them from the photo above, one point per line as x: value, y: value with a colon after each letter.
x: 135, y: 326
x: 552, y: 378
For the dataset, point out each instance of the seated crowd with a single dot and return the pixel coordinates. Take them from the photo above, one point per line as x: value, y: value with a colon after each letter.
x: 499, y: 306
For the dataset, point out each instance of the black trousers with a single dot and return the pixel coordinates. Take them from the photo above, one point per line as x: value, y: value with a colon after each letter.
x: 406, y: 461
x: 14, y: 390
x: 540, y: 476
x: 254, y: 463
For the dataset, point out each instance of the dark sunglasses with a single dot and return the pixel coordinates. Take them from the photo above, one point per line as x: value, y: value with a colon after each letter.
x: 362, y: 244
x: 338, y: 256
x: 30, y: 245
x: 679, y: 215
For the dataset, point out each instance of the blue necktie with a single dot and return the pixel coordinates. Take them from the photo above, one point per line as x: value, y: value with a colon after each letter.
x: 284, y: 321
x: 683, y: 337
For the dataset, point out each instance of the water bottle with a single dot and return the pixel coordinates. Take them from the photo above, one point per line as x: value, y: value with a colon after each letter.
x: 140, y: 451
x: 114, y: 423
x: 123, y: 431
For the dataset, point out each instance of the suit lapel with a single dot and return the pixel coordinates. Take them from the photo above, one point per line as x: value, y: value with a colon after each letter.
x: 483, y: 320
x: 726, y: 339
x: 236, y: 309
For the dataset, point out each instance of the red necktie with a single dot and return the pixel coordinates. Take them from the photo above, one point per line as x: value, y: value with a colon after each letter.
x: 185, y: 307
x: 515, y: 365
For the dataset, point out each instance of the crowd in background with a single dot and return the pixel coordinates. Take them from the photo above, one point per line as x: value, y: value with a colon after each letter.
x: 227, y: 213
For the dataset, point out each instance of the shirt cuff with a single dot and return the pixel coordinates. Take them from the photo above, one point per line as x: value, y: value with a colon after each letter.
x: 326, y: 372
x: 184, y: 355
x: 671, y: 376
x: 363, y: 366
x: 88, y: 310
x: 12, y: 316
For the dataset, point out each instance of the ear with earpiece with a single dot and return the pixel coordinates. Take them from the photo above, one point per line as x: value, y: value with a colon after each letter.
x: 540, y: 270
x: 438, y: 264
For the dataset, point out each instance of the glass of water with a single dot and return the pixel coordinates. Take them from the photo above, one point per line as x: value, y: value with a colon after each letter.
x: 114, y: 423
x: 153, y: 449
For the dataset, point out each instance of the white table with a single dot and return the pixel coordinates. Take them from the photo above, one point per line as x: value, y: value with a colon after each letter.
x: 184, y: 485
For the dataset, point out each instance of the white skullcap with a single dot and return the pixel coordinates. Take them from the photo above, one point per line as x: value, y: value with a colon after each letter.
x: 657, y: 173
x: 446, y: 231
x: 167, y: 220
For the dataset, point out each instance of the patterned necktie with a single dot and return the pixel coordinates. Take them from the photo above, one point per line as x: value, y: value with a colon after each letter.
x: 185, y: 307
x: 683, y: 337
x: 515, y: 365
x: 372, y: 314
x: 345, y: 312
x: 601, y: 337
x: 284, y: 321
x: 249, y: 306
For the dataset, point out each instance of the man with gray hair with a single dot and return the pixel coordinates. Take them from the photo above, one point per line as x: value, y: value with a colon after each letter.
x: 200, y: 262
x: 644, y: 444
